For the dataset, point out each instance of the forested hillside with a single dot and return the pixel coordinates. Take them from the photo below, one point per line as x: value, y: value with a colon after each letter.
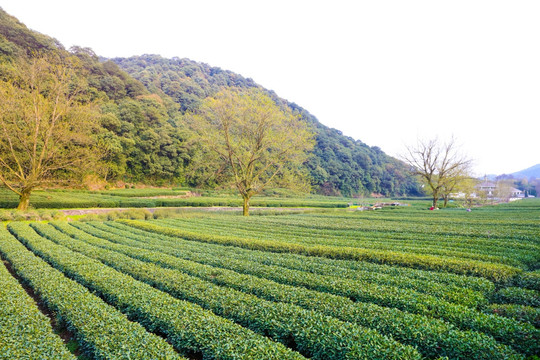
x: 143, y: 136
x: 339, y: 165
x: 143, y: 99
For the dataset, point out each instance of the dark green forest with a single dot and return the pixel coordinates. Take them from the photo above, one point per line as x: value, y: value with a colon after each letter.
x: 339, y: 165
x: 143, y: 100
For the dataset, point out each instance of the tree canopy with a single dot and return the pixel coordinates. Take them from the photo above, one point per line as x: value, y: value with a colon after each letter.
x: 338, y: 165
x: 143, y: 100
x: 47, y: 126
x: 440, y: 165
x: 258, y: 142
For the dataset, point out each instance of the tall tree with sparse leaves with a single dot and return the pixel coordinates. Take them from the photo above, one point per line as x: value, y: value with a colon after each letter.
x: 47, y: 124
x: 440, y: 165
x: 259, y: 142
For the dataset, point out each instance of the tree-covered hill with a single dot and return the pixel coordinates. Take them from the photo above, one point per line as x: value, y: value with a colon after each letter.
x: 142, y: 134
x: 143, y: 100
x: 339, y: 165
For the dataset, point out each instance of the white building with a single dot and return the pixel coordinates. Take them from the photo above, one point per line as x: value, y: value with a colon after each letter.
x: 487, y: 187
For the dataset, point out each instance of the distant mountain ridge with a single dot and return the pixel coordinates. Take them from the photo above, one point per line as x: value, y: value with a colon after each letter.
x: 531, y: 172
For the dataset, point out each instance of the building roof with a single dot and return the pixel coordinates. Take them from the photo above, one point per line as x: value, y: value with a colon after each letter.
x: 486, y: 184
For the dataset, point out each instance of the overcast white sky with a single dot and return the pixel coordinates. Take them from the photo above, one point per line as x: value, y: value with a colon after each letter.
x: 384, y: 72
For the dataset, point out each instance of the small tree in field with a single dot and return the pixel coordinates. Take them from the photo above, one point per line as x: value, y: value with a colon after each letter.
x: 45, y: 126
x: 254, y: 140
x: 440, y: 166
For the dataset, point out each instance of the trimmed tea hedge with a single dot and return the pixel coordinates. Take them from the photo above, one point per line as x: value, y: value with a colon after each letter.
x: 519, y: 296
x: 313, y: 334
x: 496, y: 272
x: 433, y: 338
x: 24, y: 330
x: 99, y: 328
x: 187, y: 326
x: 342, y: 268
x: 522, y: 313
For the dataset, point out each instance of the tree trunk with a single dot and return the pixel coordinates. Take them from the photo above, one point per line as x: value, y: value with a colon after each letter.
x: 435, y: 199
x: 445, y: 197
x: 24, y: 199
x: 246, y: 206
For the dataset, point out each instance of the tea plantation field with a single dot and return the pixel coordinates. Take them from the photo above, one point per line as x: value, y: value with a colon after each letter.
x: 160, y: 197
x: 402, y: 283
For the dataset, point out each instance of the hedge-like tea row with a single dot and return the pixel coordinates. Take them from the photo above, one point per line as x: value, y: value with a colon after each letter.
x: 385, y: 232
x: 396, y: 228
x: 433, y: 338
x: 516, y: 295
x: 496, y: 272
x: 63, y: 199
x: 447, y: 292
x: 522, y: 313
x: 529, y: 279
x: 24, y: 330
x: 345, y: 268
x: 522, y: 337
x: 144, y: 192
x: 513, y: 229
x: 313, y: 334
x: 99, y: 328
x: 451, y: 293
x: 360, y: 289
x: 362, y: 235
x: 188, y: 327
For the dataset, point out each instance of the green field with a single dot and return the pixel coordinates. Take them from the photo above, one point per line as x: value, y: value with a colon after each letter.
x: 159, y: 197
x: 397, y: 283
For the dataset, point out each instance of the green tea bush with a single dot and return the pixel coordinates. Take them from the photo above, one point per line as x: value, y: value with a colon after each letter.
x: 188, y: 327
x: 433, y: 338
x: 516, y: 295
x: 529, y: 279
x: 522, y: 313
x: 24, y: 331
x: 308, y: 330
x: 98, y: 327
x: 34, y: 215
x: 6, y: 215
x: 497, y: 272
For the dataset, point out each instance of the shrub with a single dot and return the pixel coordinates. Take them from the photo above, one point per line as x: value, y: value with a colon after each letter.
x: 519, y: 296
x: 99, y: 328
x: 309, y: 330
x: 187, y: 326
x: 24, y: 331
x: 522, y: 313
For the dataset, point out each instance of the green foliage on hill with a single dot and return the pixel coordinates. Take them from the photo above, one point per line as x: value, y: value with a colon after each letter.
x: 143, y: 100
x: 339, y: 164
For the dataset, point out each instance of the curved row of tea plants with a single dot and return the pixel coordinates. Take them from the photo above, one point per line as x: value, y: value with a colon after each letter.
x: 365, y: 235
x: 313, y: 334
x: 495, y: 272
x: 523, y: 313
x: 518, y: 243
x: 343, y: 268
x: 521, y: 336
x: 432, y: 337
x: 98, y: 327
x: 369, y: 240
x: 447, y: 292
x: 188, y: 327
x: 24, y: 330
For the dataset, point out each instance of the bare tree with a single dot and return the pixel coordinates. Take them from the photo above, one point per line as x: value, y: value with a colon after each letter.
x: 46, y: 126
x: 440, y: 165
